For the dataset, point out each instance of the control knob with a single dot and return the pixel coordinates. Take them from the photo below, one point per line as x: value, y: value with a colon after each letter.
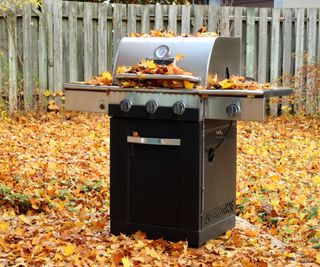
x: 233, y: 109
x: 179, y: 107
x: 152, y: 106
x: 125, y: 105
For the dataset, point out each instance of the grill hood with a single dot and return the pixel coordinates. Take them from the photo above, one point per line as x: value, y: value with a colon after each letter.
x: 203, y: 56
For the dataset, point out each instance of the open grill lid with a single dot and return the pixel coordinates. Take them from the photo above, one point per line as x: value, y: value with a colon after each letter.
x: 203, y: 56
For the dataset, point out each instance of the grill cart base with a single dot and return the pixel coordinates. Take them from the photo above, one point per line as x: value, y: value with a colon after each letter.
x: 178, y: 191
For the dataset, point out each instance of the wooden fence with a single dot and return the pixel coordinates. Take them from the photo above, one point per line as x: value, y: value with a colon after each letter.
x: 71, y: 41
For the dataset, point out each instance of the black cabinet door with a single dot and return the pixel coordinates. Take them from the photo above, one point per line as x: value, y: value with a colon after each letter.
x: 156, y: 184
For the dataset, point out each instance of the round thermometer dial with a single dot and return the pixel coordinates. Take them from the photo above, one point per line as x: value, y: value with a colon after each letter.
x: 162, y: 51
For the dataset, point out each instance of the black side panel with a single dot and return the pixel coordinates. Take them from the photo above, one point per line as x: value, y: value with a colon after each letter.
x: 219, y: 171
x: 155, y: 185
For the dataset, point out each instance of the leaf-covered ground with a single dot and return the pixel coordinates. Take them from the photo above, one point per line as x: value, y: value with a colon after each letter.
x: 54, y: 197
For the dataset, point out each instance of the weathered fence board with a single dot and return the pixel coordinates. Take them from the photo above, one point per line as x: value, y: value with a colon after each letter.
x: 251, y: 41
x: 311, y: 59
x: 198, y: 16
x: 225, y: 24
x: 72, y: 41
x: 213, y: 18
x: 185, y: 19
x: 263, y: 45
x: 117, y: 26
x: 13, y: 62
x: 299, y: 52
x: 57, y: 45
x: 275, y: 54
x: 27, y: 60
x: 88, y: 41
x: 132, y: 19
x: 73, y: 47
x: 172, y: 24
x: 158, y: 17
x: 287, y: 62
x: 145, y: 19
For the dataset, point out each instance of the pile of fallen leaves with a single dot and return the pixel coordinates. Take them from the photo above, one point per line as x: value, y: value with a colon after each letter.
x: 144, y: 67
x: 237, y: 82
x: 105, y: 78
x: 54, y: 197
x: 168, y: 34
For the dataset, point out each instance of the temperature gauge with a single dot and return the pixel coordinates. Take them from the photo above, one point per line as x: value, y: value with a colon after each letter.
x: 162, y: 51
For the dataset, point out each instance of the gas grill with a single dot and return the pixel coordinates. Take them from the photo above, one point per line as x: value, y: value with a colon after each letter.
x: 173, y: 151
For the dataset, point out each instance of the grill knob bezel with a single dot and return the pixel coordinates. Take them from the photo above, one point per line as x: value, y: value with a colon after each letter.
x: 233, y: 109
x: 152, y: 106
x: 179, y: 108
x: 125, y: 105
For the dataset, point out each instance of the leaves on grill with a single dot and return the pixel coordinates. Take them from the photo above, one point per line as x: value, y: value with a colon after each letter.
x: 150, y: 67
x: 237, y: 82
x: 168, y: 34
x: 105, y: 78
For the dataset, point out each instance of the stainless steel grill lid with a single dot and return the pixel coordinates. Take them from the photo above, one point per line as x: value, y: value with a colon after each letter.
x: 203, y: 56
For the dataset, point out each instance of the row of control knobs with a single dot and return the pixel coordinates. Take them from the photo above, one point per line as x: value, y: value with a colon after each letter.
x: 178, y: 107
x: 152, y: 106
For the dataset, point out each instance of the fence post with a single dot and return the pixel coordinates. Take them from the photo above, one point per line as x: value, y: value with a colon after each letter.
x: 263, y: 45
x: 87, y: 41
x: 73, y: 47
x: 311, y: 93
x: 287, y: 55
x: 117, y: 27
x: 275, y: 57
x: 158, y: 25
x: 299, y: 57
x: 185, y: 19
x: 172, y: 24
x: 250, y: 46
x: 57, y: 45
x: 13, y: 63
x: 43, y: 53
x: 27, y: 51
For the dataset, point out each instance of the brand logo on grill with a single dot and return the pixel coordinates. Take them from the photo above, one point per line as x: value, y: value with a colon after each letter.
x: 219, y: 132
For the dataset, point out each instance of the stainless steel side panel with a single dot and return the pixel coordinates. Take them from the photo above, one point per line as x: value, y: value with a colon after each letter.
x: 87, y: 100
x: 253, y: 109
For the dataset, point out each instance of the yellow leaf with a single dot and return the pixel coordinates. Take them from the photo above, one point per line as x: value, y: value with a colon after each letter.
x: 153, y: 253
x: 122, y: 69
x: 316, y: 179
x: 188, y: 85
x: 126, y: 262
x: 25, y: 219
x: 179, y: 57
x: 4, y: 226
x: 47, y: 93
x: 228, y: 234
x: 106, y: 75
x: 275, y: 202
x: 318, y: 258
x: 68, y: 249
x: 275, y: 178
x: 149, y: 64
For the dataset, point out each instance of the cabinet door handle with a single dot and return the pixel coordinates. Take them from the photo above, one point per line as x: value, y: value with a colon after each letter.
x: 153, y: 141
